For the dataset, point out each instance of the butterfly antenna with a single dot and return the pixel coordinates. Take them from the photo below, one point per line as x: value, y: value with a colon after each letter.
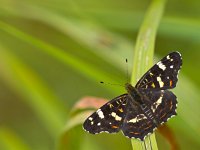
x: 111, y: 84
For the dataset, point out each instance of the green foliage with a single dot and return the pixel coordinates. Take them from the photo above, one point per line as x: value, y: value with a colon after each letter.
x: 52, y: 53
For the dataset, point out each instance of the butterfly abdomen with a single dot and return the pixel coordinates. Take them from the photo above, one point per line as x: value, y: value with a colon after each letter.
x: 148, y: 112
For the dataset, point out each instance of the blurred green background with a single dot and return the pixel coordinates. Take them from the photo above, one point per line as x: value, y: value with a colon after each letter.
x: 54, y: 52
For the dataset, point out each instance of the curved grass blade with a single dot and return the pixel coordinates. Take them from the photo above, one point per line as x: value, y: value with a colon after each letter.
x: 86, y: 69
x: 44, y: 103
x: 143, y: 55
x: 10, y: 141
x: 89, y: 34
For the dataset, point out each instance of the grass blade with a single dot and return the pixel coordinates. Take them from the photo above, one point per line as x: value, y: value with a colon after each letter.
x: 88, y: 70
x: 10, y: 141
x: 44, y: 103
x: 97, y: 39
x: 143, y: 56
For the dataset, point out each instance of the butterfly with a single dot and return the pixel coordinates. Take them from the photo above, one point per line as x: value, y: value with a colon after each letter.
x: 144, y: 107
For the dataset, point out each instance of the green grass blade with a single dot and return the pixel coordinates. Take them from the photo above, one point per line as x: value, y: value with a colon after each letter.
x: 10, y: 141
x: 37, y: 95
x: 89, y: 34
x: 143, y: 56
x: 88, y: 70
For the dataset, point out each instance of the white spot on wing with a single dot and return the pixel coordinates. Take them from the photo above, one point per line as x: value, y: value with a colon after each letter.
x: 161, y: 65
x: 113, y: 114
x: 151, y: 74
x: 117, y: 118
x: 171, y: 66
x: 137, y: 118
x: 159, y: 101
x: 134, y: 120
x: 156, y: 104
x: 99, y: 124
x: 168, y: 57
x: 160, y: 81
x: 100, y: 113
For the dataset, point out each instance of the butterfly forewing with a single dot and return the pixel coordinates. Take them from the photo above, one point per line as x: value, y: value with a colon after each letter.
x: 109, y: 118
x: 164, y: 74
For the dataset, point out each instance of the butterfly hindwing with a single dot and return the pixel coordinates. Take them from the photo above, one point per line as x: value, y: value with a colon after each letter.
x: 137, y: 124
x: 165, y: 106
x: 163, y: 103
x: 162, y: 75
x: 109, y: 118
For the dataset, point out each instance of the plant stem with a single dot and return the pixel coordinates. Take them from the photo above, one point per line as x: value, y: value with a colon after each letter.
x: 143, y: 57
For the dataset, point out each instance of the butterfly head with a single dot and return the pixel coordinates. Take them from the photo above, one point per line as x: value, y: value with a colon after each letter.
x: 129, y: 87
x: 133, y: 92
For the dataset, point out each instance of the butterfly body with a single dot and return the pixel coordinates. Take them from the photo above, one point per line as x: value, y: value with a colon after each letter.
x: 144, y: 107
x: 133, y: 93
x: 142, y: 102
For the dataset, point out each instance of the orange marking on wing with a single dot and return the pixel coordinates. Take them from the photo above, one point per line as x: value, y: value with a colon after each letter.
x: 163, y: 116
x: 148, y: 127
x: 115, y: 127
x: 170, y: 83
x: 135, y: 132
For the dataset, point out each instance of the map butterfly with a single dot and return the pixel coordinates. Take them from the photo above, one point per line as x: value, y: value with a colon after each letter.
x: 144, y: 107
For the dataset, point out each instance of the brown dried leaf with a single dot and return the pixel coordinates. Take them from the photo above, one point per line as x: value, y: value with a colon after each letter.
x: 89, y: 102
x: 169, y: 135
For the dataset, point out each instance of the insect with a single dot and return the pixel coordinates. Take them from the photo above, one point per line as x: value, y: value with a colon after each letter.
x: 144, y: 107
